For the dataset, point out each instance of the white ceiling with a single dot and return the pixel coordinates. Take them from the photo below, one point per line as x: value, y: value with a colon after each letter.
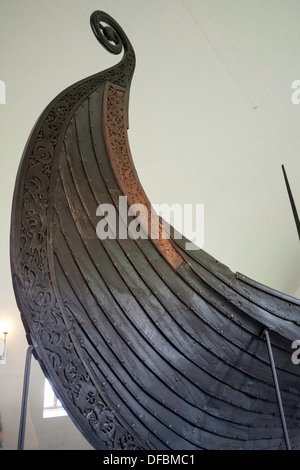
x: 211, y: 116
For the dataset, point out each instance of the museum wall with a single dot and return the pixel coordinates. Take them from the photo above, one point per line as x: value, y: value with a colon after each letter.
x: 57, y: 433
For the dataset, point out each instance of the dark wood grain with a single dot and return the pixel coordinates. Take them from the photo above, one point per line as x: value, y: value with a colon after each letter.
x: 147, y: 345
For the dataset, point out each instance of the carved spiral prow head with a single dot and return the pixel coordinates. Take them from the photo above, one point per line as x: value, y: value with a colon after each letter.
x: 109, y: 33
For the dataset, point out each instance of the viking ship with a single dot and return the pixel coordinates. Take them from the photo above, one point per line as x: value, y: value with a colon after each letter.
x: 148, y: 345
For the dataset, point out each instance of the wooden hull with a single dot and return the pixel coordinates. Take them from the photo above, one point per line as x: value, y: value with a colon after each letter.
x: 147, y: 345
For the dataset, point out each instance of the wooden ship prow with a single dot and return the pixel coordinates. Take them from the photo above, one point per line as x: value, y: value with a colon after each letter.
x: 148, y: 345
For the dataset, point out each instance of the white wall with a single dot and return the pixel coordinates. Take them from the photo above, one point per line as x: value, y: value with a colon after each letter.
x: 41, y: 433
x: 297, y: 293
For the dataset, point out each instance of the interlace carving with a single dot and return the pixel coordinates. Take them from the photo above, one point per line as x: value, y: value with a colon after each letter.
x: 115, y: 132
x: 45, y: 318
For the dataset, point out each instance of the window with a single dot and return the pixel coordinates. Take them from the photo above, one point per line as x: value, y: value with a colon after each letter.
x: 52, y: 406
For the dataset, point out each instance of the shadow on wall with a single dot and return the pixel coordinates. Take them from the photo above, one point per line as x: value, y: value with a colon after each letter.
x: 297, y: 293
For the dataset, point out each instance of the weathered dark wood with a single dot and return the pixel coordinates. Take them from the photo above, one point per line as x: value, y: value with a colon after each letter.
x: 148, y: 346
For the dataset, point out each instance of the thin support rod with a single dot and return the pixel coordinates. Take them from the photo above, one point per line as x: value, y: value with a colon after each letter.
x: 292, y: 202
x: 285, y: 432
x: 24, y: 398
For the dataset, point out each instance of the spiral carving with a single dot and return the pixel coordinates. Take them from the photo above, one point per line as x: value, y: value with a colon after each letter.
x: 109, y: 33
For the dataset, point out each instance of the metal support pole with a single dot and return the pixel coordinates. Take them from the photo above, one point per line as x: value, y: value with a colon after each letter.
x: 285, y: 432
x: 293, y: 205
x: 24, y: 398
